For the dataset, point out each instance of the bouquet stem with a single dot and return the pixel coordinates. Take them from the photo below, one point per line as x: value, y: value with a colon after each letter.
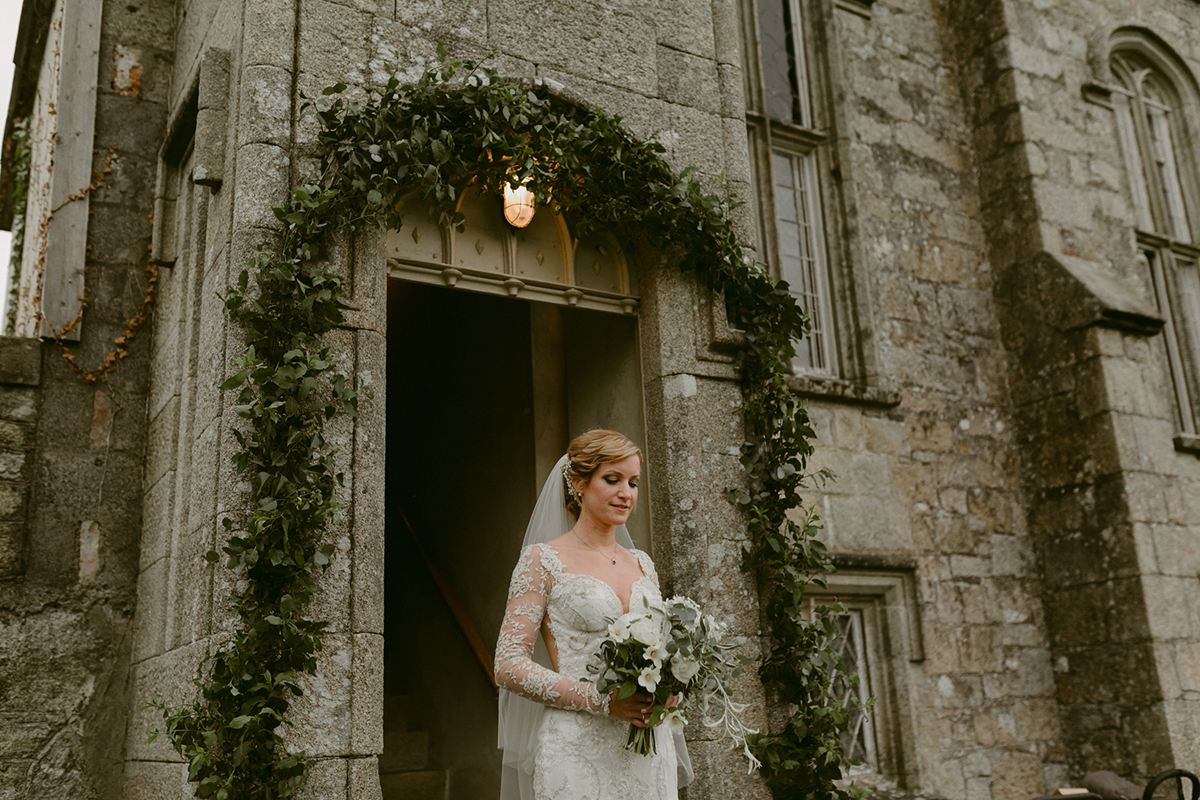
x: 640, y: 740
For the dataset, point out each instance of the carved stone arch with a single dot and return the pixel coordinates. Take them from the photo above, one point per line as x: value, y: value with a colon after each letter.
x: 542, y: 261
x: 1148, y: 48
x: 1135, y: 37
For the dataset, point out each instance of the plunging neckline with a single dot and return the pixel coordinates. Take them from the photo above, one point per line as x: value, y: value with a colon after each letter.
x: 612, y: 589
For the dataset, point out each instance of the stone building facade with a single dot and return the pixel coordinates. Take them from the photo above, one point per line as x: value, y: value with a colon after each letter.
x: 988, y: 207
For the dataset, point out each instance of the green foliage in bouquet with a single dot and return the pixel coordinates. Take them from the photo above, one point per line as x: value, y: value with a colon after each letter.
x: 669, y: 651
x: 454, y: 125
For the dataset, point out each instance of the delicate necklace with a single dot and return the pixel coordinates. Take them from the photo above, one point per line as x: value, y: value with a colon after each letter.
x: 597, y: 549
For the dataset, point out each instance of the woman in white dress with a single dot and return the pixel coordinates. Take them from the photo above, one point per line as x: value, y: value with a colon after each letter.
x: 561, y: 739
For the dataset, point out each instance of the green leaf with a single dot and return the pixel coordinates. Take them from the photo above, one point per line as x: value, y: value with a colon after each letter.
x: 234, y: 381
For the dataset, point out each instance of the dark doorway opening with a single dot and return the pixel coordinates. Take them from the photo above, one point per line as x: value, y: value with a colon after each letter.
x: 484, y: 393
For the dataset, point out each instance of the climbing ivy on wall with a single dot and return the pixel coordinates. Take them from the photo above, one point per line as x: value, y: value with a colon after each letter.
x: 461, y: 124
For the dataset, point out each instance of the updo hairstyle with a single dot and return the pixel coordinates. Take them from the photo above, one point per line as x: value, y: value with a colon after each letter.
x: 589, y: 452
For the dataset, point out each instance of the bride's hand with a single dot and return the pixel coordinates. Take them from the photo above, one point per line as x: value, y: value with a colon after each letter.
x: 635, y: 708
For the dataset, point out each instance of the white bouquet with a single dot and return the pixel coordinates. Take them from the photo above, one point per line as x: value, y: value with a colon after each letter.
x: 672, y: 650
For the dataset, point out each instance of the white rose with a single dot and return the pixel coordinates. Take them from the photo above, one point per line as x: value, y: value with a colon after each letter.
x: 645, y: 630
x: 684, y: 669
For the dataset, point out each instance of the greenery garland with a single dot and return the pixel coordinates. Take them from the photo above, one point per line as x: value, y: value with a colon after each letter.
x: 461, y: 124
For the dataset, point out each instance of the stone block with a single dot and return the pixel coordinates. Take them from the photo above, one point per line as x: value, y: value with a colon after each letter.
x: 1165, y: 597
x: 20, y: 361
x: 154, y: 780
x: 322, y: 715
x: 366, y: 276
x: 858, y: 524
x: 190, y: 588
x: 364, y: 779
x: 689, y: 80
x: 13, y: 497
x: 326, y: 780
x: 738, y: 170
x: 366, y: 711
x: 370, y: 485
x: 150, y: 617
x: 261, y: 184
x: 268, y: 29
x: 979, y: 650
x: 233, y: 488
x: 264, y: 106
x: 164, y: 370
x: 335, y: 43
x: 733, y: 96
x: 157, y: 513
x: 598, y: 41
x: 463, y: 20
x: 12, y: 549
x: 18, y: 404
x: 1016, y: 776
x: 161, y: 442
x: 207, y: 456
x: 169, y: 677
x: 211, y: 357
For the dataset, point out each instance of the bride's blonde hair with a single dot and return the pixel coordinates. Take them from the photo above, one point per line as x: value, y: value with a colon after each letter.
x: 589, y: 452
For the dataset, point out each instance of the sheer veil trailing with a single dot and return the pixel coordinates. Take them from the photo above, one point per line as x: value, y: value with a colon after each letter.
x: 521, y: 719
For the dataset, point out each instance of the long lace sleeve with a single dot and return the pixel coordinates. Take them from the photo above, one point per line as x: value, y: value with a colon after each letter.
x: 516, y: 670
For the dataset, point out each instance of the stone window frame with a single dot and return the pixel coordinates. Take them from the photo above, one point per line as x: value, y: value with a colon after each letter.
x: 884, y: 595
x: 1170, y: 257
x: 856, y: 376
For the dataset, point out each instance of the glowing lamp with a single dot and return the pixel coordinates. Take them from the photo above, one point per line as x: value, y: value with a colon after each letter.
x: 518, y: 205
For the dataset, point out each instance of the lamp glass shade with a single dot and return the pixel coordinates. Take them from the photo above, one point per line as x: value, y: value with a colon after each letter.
x: 518, y: 205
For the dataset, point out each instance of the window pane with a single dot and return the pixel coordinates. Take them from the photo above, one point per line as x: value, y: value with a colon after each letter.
x: 801, y: 259
x: 1187, y: 276
x: 858, y: 739
x: 1175, y: 334
x: 782, y: 61
x: 1133, y: 162
x: 1163, y: 148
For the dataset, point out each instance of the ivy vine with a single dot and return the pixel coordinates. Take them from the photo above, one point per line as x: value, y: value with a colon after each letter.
x: 460, y: 124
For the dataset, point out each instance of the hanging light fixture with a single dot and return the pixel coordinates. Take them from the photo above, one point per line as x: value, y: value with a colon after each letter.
x: 518, y: 204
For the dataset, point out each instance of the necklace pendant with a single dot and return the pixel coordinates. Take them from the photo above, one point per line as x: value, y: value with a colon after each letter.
x: 614, y: 561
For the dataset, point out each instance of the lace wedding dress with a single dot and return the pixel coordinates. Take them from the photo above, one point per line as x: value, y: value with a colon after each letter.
x: 579, y: 753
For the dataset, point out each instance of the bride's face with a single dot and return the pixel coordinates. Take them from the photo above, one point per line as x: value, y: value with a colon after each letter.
x: 610, y: 494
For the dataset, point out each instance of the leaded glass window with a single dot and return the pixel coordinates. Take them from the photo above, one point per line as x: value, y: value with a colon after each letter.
x: 1152, y: 130
x: 858, y: 740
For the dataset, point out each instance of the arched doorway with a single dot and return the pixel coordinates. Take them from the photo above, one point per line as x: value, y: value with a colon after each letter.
x: 502, y: 344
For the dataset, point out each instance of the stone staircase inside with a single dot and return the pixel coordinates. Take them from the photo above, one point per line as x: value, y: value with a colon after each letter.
x: 404, y: 772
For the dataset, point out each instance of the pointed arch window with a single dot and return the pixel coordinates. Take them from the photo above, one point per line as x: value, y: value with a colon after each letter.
x: 1155, y: 137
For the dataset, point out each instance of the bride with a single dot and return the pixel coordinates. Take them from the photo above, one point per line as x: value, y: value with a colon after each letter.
x: 561, y: 739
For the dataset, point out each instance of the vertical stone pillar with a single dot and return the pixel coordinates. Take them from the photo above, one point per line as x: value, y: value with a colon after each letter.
x: 694, y: 430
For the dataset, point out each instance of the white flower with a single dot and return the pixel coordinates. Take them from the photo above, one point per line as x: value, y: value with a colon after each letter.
x: 645, y: 630
x: 649, y: 678
x: 684, y: 668
x: 675, y: 718
x: 655, y: 652
x: 619, y: 630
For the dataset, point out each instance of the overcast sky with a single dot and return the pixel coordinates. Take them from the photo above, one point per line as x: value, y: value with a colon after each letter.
x: 10, y: 17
